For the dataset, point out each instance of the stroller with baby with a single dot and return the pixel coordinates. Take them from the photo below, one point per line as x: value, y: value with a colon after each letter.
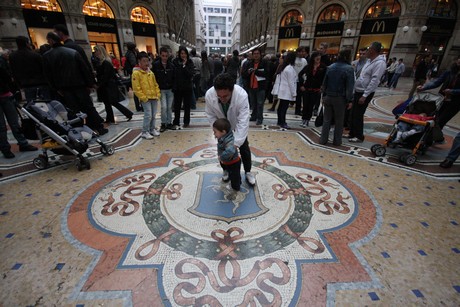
x: 416, y: 115
x: 60, y: 131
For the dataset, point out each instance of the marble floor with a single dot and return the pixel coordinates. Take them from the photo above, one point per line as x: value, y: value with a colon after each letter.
x: 153, y: 224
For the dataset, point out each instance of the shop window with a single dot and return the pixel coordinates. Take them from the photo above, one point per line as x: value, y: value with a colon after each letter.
x: 141, y: 14
x: 49, y: 5
x: 383, y: 8
x: 97, y: 8
x: 332, y: 13
x: 443, y: 8
x: 292, y: 18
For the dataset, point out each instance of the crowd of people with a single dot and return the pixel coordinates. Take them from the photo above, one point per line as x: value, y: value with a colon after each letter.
x: 297, y: 79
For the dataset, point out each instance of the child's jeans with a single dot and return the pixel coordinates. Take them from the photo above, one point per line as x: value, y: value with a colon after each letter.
x: 150, y: 111
x: 234, y: 174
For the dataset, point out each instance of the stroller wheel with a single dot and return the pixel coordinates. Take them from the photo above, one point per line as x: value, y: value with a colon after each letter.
x: 107, y: 150
x: 82, y: 163
x: 40, y: 162
x: 402, y: 158
x: 378, y: 150
x: 410, y: 160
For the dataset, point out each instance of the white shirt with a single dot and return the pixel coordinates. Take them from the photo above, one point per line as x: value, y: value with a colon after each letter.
x: 237, y: 114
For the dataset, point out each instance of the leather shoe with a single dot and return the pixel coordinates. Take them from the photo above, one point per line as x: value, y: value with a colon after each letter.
x: 8, y: 154
x: 102, y: 131
x: 446, y: 163
x: 27, y: 147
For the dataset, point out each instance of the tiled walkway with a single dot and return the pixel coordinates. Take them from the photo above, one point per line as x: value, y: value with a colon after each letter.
x: 153, y: 225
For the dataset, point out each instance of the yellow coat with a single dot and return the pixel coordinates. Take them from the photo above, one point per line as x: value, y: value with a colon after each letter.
x: 145, y: 86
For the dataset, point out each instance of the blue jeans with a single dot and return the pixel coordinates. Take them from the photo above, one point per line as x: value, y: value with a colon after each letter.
x: 167, y: 99
x: 256, y: 100
x: 455, y: 149
x: 8, y: 110
x: 150, y: 111
x: 394, y: 80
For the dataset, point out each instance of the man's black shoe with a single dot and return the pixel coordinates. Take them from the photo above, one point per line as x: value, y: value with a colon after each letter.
x: 8, y: 154
x: 446, y: 163
x: 27, y: 147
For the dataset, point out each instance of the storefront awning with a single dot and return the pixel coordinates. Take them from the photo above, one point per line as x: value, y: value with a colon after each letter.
x: 253, y: 47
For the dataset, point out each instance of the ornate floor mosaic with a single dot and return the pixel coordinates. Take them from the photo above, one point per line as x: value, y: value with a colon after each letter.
x: 211, y: 245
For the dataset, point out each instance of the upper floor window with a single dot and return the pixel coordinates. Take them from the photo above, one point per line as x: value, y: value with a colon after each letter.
x: 332, y: 13
x: 97, y: 8
x: 49, y: 5
x: 443, y: 8
x: 383, y: 8
x: 141, y: 14
x: 292, y: 18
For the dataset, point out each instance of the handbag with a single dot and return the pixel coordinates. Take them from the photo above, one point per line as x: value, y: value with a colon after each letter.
x: 319, y: 119
x: 276, y: 85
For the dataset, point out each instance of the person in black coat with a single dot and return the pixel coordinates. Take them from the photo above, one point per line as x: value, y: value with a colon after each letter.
x: 108, y: 90
x: 183, y: 86
x: 70, y: 77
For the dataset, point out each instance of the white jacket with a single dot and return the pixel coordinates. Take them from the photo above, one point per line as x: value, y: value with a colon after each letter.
x: 288, y: 84
x: 237, y: 114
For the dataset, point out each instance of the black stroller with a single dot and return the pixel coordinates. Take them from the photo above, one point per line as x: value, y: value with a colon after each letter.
x: 426, y: 103
x: 61, y: 132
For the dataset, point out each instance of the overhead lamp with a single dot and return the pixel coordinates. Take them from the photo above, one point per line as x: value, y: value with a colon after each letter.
x: 262, y: 38
x: 14, y: 21
x: 166, y: 35
x: 348, y: 32
x: 405, y: 28
x: 424, y: 28
x: 79, y: 26
x: 303, y: 35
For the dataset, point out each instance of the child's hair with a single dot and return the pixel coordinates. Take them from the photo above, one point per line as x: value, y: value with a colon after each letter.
x: 222, y: 124
x: 142, y: 55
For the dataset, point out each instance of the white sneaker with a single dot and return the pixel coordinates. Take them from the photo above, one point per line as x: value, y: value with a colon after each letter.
x: 225, y: 176
x: 155, y: 132
x: 250, y: 179
x: 146, y: 135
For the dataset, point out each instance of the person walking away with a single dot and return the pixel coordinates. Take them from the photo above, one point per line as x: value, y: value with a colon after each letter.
x: 233, y: 65
x: 229, y: 158
x: 276, y: 83
x: 130, y: 63
x: 164, y: 74
x: 288, y: 88
x: 365, y: 87
x: 230, y: 101
x: 256, y: 71
x: 420, y: 76
x: 337, y: 91
x: 205, y: 82
x: 390, y: 71
x: 400, y: 68
x: 108, y: 90
x: 183, y: 86
x: 8, y: 110
x: 146, y: 88
x: 311, y: 79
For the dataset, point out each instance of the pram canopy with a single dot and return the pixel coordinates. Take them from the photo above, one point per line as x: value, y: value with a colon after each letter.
x: 421, y: 102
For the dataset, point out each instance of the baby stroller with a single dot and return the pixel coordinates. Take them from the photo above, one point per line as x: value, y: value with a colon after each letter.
x: 426, y: 103
x: 61, y: 132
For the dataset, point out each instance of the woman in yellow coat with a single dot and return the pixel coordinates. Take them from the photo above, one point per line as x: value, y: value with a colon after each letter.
x: 146, y: 88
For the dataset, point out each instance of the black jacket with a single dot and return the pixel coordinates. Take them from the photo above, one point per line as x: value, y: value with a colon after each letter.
x: 164, y: 75
x: 107, y: 82
x: 183, y: 74
x: 312, y: 81
x: 262, y: 71
x: 69, y: 43
x: 64, y: 68
x: 27, y: 68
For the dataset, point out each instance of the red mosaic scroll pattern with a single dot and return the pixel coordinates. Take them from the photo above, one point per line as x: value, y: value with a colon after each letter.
x: 203, y: 273
x: 154, y: 245
x: 127, y: 205
x: 305, y: 242
x: 226, y: 241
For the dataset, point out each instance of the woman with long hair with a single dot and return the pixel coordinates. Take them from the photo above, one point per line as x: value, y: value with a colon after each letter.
x: 311, y: 78
x: 183, y: 86
x: 288, y: 88
x: 108, y: 90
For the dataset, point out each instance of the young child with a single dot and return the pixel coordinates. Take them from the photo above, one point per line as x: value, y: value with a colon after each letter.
x: 227, y: 152
x: 146, y: 88
x: 406, y: 129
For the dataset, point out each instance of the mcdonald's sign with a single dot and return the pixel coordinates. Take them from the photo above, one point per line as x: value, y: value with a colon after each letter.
x: 290, y: 32
x: 379, y: 26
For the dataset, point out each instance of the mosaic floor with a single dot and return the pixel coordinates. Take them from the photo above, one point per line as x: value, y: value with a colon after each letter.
x: 153, y: 224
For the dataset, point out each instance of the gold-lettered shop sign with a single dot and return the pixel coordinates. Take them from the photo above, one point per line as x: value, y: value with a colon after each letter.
x: 290, y: 32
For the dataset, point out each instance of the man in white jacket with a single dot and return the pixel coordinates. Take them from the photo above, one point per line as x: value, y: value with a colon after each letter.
x: 365, y: 87
x: 230, y: 101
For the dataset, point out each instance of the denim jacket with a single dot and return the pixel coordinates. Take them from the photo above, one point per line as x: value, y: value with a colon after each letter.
x: 339, y: 81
